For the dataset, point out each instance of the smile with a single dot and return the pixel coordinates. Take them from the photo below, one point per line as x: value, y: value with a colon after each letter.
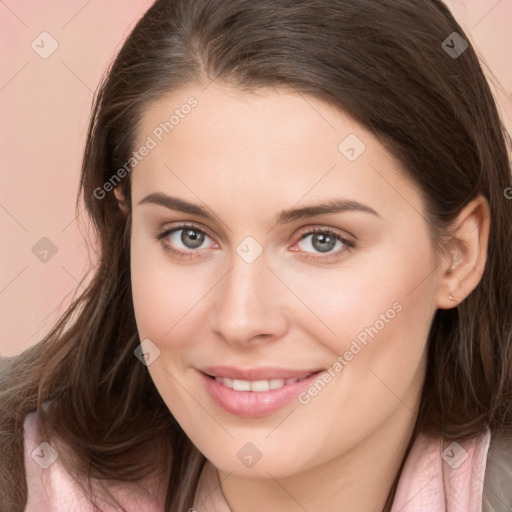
x: 255, y: 398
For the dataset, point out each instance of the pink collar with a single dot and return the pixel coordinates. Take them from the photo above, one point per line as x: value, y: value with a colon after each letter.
x: 439, y: 480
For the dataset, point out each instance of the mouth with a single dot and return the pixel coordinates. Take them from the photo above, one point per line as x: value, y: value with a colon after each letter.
x: 256, y: 397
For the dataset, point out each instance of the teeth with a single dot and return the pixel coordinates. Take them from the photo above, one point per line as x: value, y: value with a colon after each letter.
x: 276, y: 383
x: 259, y: 385
x: 256, y: 385
x: 241, y: 385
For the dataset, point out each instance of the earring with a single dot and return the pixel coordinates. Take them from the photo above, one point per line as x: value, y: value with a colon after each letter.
x: 452, y: 298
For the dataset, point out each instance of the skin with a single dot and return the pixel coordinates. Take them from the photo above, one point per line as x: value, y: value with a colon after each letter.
x: 247, y: 156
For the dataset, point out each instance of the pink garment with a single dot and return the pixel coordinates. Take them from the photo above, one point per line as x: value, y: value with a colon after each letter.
x: 51, y: 488
x: 420, y: 488
x: 461, y: 466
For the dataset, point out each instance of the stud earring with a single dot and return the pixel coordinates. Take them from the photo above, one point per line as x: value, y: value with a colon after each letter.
x: 452, y: 298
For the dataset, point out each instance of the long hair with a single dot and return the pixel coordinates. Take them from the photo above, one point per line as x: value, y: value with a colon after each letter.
x: 384, y: 64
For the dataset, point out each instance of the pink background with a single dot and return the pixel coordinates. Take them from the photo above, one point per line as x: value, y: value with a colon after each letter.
x: 44, y: 108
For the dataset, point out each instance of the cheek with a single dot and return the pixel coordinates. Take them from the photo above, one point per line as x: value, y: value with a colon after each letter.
x: 385, y: 293
x: 160, y: 291
x: 171, y: 301
x: 381, y: 319
x: 163, y: 299
x: 374, y: 316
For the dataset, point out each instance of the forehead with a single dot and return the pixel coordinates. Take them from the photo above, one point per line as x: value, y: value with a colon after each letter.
x: 224, y: 144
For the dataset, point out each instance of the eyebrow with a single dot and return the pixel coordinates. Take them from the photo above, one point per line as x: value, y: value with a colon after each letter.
x: 335, y: 205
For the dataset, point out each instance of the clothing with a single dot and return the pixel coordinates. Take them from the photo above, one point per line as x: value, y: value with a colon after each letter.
x: 51, y: 488
x: 463, y: 468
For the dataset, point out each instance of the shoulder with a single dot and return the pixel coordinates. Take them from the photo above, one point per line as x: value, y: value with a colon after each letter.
x: 497, y: 494
x: 52, y: 489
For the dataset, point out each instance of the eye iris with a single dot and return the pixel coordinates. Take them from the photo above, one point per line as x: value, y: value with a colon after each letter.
x: 194, y: 236
x: 326, y: 242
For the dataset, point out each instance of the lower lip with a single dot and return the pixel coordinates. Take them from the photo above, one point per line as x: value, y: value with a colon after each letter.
x: 252, y: 404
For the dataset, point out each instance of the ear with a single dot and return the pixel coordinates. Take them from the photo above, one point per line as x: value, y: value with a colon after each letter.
x: 463, y: 265
x: 121, y: 200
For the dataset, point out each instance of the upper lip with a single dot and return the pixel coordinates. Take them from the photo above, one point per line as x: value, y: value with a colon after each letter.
x: 254, y: 374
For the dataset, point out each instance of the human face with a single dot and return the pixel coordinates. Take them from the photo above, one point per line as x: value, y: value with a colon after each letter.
x: 249, y: 293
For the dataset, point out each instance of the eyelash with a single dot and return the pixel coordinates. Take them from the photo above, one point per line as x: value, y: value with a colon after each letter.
x: 349, y: 244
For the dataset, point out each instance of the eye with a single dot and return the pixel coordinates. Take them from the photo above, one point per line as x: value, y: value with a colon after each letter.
x: 323, y: 241
x: 183, y: 241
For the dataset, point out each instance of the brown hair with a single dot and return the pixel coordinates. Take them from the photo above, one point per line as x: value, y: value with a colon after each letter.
x: 382, y: 63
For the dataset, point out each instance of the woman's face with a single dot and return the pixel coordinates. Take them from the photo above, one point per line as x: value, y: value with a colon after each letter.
x: 253, y: 294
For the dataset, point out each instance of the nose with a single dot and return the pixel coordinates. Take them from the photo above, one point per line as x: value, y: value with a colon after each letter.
x: 249, y: 304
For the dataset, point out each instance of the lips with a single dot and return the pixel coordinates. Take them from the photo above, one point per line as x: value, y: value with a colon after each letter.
x: 255, y: 392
